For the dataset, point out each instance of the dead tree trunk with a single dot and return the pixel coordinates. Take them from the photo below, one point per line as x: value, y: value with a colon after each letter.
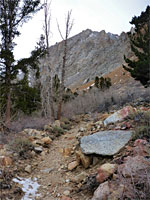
x: 47, y: 20
x: 69, y: 25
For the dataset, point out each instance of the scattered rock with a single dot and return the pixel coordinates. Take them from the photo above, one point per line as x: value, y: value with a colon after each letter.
x: 66, y: 192
x: 105, y: 142
x: 85, y: 160
x: 80, y: 177
x: 47, y: 170
x: 95, y: 160
x: 99, y: 123
x: 43, y: 153
x: 119, y: 115
x: 82, y: 129
x: 28, y: 131
x: 28, y: 169
x: 38, y: 149
x: 67, y: 151
x: 33, y: 153
x: 37, y: 142
x: 5, y: 161
x: 102, y: 192
x: 105, y: 171
x: 72, y: 165
x: 46, y: 140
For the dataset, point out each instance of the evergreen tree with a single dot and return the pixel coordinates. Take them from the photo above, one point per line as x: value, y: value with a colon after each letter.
x: 13, y: 13
x: 140, y: 45
x: 102, y: 83
x: 97, y: 82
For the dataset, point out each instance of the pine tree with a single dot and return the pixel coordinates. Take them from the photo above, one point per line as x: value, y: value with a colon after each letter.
x: 13, y: 13
x: 140, y: 45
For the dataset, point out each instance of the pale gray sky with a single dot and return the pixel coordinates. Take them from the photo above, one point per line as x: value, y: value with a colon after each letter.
x: 109, y: 15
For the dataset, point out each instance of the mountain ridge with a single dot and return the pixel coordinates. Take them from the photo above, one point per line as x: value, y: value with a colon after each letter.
x: 90, y: 53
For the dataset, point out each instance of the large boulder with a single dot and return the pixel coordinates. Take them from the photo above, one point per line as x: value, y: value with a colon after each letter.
x: 119, y: 115
x: 102, y: 192
x: 105, y: 143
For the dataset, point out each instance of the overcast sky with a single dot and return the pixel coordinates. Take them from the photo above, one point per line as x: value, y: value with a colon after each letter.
x: 109, y: 15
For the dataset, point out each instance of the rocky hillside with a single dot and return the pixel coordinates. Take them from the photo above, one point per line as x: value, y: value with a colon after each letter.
x: 96, y: 156
x: 90, y: 54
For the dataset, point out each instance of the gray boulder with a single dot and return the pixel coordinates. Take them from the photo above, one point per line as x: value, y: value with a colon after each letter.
x: 105, y: 143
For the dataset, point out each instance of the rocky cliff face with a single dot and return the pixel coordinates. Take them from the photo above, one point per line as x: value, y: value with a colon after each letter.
x: 90, y: 54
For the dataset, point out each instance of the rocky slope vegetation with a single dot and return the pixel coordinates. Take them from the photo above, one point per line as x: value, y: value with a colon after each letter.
x: 90, y: 54
x: 53, y: 164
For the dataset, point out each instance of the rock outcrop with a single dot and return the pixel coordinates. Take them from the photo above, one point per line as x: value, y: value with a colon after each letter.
x: 90, y: 54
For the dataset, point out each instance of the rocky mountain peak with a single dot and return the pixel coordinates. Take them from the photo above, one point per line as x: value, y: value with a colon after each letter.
x: 90, y: 54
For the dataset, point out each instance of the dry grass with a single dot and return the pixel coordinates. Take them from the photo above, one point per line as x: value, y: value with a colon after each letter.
x: 28, y: 122
x: 115, y: 97
x: 137, y: 186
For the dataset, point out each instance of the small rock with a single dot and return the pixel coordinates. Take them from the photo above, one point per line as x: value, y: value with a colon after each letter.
x: 5, y: 161
x: 28, y: 169
x: 85, y: 160
x: 28, y: 131
x: 67, y: 151
x: 37, y: 135
x: 46, y: 140
x: 72, y: 165
x: 37, y: 142
x: 95, y: 160
x: 47, y: 170
x: 33, y: 153
x: 38, y: 149
x: 105, y: 171
x: 82, y: 129
x: 102, y: 192
x: 43, y: 154
x: 80, y: 177
x: 66, y: 192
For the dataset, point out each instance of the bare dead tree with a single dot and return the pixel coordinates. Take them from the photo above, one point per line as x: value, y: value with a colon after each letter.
x: 47, y: 20
x: 68, y: 28
x: 47, y: 29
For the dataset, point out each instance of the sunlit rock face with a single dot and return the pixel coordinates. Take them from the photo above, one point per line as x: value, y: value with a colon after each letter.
x: 89, y: 54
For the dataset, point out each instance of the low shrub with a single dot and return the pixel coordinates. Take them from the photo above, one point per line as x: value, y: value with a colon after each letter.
x: 137, y: 186
x: 21, y: 146
x: 58, y: 130
x: 141, y: 132
x: 65, y: 120
x: 142, y: 123
x: 65, y: 126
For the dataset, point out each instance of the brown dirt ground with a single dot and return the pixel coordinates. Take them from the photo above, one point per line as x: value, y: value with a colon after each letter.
x: 58, y: 180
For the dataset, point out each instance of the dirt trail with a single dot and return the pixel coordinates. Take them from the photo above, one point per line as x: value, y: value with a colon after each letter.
x: 52, y: 173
